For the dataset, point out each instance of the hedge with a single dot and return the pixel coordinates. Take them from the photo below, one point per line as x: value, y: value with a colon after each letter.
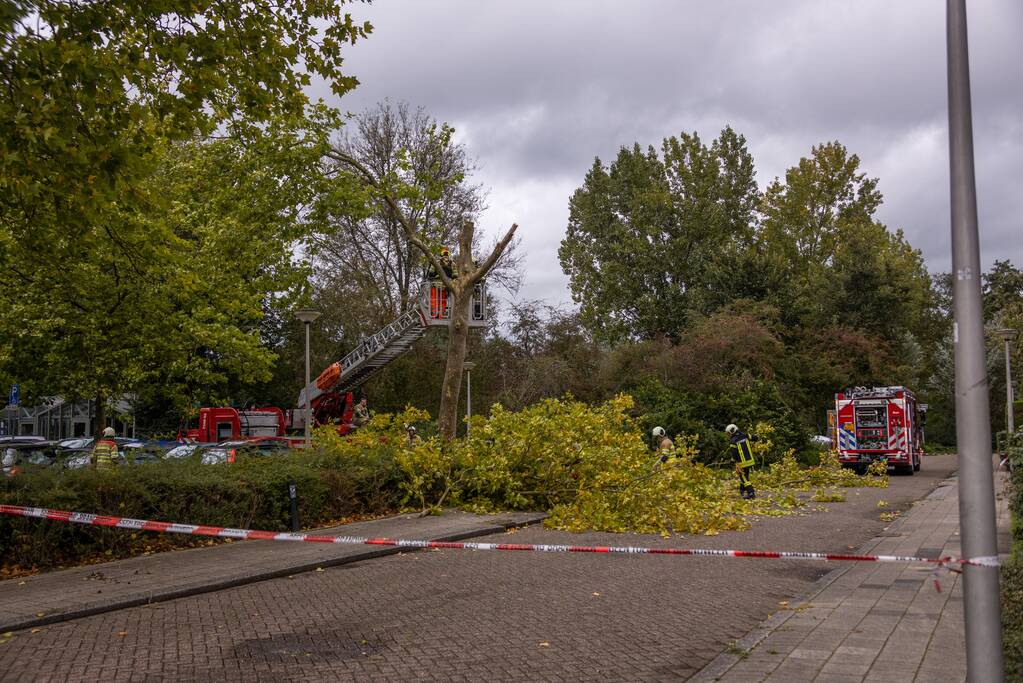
x: 251, y: 493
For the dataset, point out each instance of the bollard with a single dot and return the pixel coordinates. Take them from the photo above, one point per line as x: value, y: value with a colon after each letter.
x: 293, y: 495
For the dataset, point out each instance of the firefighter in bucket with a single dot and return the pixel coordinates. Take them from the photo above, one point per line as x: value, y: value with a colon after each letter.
x: 743, y: 455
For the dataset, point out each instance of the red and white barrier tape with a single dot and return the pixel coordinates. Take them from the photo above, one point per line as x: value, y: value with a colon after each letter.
x: 251, y: 534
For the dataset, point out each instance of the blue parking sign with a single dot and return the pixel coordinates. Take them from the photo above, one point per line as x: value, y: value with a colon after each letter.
x: 15, y: 395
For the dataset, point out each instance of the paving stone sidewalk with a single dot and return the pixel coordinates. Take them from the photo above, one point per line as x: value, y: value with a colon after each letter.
x: 94, y: 589
x: 871, y: 621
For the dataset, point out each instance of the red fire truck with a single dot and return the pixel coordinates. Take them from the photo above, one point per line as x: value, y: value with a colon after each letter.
x: 880, y: 423
x: 221, y: 424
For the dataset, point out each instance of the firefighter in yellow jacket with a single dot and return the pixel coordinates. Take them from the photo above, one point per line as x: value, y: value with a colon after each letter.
x: 104, y: 453
x: 743, y: 455
x: 665, y: 447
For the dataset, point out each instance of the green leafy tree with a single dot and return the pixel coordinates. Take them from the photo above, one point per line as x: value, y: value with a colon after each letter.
x: 1003, y: 293
x: 805, y: 219
x: 94, y: 97
x: 180, y: 320
x: 651, y: 238
x: 363, y: 257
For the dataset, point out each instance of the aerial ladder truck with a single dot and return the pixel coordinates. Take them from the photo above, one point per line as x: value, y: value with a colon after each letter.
x: 329, y: 396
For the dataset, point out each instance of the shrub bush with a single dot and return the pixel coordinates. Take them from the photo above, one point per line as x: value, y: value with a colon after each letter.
x: 251, y: 493
x: 706, y: 415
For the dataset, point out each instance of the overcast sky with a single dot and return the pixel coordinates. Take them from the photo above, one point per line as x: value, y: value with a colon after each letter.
x: 536, y: 90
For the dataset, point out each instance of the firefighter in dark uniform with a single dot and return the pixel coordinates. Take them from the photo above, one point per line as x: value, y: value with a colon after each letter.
x: 743, y: 455
x: 446, y: 264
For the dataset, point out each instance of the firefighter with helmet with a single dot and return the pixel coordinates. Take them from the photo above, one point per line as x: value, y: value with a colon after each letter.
x: 104, y: 453
x: 665, y: 446
x: 739, y: 445
x: 412, y: 438
x: 446, y: 264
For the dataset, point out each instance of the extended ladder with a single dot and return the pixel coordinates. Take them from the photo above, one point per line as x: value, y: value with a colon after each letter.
x: 432, y: 307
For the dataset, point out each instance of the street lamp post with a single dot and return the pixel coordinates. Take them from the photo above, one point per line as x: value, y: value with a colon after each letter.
x: 1008, y: 335
x: 307, y: 316
x: 468, y: 365
x: 973, y: 417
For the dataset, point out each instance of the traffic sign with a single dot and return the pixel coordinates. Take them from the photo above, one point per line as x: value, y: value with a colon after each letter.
x: 15, y: 396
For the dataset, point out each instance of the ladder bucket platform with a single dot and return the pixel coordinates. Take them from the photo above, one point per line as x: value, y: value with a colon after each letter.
x: 436, y: 302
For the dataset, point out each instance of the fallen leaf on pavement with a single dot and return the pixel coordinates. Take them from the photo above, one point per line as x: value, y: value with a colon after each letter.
x: 545, y: 644
x: 596, y: 594
x: 35, y: 630
x: 319, y: 569
x: 122, y: 633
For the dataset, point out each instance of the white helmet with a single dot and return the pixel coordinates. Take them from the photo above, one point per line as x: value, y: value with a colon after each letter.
x: 731, y: 429
x: 658, y: 431
x: 109, y: 431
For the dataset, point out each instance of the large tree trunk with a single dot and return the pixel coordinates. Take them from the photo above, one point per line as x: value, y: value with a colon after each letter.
x: 458, y: 335
x: 101, y: 416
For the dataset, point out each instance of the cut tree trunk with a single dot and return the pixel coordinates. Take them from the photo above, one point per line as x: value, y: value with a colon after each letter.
x: 101, y: 416
x: 458, y: 335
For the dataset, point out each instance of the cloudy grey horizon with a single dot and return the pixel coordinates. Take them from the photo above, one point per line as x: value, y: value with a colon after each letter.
x: 537, y: 90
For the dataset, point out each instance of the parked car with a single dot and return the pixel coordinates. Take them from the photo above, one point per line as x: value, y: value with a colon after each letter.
x: 15, y: 457
x: 76, y: 453
x: 229, y: 451
x: 16, y: 440
x: 186, y: 450
x: 821, y: 441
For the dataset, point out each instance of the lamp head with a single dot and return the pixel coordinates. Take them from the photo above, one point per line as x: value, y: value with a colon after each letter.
x: 1007, y: 333
x: 307, y: 315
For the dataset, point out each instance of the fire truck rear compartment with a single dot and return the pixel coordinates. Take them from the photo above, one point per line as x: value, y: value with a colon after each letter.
x: 872, y: 427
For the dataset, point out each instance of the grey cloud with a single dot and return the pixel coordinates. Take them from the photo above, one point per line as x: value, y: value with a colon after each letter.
x: 538, y: 89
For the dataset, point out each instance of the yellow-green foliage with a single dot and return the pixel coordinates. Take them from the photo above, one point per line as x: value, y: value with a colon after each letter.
x: 591, y: 468
x: 822, y: 496
x: 787, y: 474
x: 426, y: 469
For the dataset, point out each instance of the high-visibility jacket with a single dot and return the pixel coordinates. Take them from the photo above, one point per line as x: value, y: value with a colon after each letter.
x: 741, y: 450
x: 104, y: 453
x: 666, y: 449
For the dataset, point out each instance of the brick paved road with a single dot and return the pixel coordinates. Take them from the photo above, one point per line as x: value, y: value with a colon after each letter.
x: 457, y: 615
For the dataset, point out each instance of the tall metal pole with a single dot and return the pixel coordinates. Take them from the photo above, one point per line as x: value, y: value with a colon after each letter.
x: 1008, y: 391
x: 973, y: 421
x: 308, y: 403
x: 1008, y: 335
x: 307, y: 316
x: 468, y: 365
